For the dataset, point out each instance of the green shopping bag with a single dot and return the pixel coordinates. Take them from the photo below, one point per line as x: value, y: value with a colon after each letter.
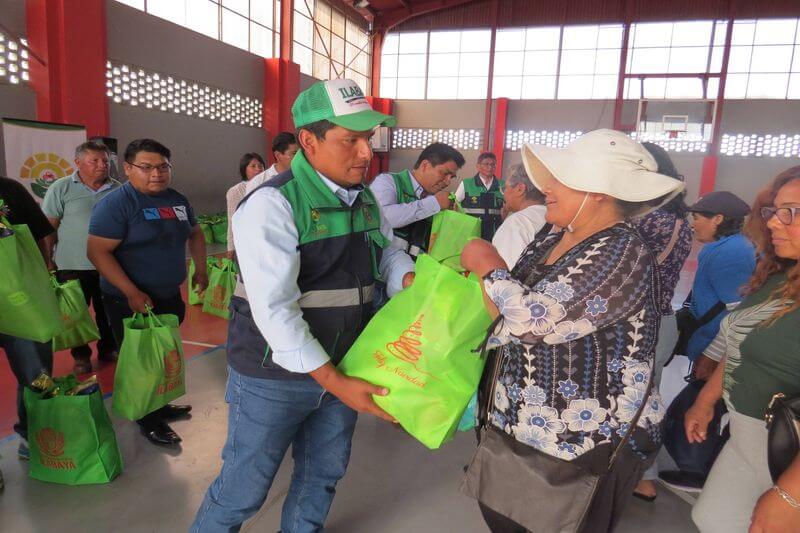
x: 150, y: 369
x: 450, y: 232
x: 221, y: 284
x: 420, y: 346
x: 28, y: 306
x: 196, y: 297
x: 71, y: 439
x: 208, y: 235
x: 220, y: 230
x: 78, y: 326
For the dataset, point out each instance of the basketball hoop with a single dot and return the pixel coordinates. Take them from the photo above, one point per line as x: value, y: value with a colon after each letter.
x: 673, y: 134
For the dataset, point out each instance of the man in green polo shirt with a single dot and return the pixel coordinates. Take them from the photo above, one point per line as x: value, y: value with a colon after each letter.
x: 68, y: 205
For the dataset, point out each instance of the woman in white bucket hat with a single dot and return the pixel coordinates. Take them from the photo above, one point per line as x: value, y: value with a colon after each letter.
x: 578, y: 331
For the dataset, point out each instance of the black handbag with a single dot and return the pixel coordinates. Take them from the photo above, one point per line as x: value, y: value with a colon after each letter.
x: 783, y: 424
x: 536, y: 490
x: 688, y: 324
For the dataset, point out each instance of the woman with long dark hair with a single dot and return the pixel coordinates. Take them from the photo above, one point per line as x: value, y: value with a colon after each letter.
x: 250, y: 165
x: 759, y: 348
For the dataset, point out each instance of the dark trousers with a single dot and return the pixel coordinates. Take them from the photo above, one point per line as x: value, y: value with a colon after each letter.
x: 90, y: 285
x: 117, y: 310
x: 611, y: 498
x: 27, y: 359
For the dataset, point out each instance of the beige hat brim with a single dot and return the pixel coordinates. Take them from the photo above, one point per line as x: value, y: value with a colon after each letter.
x: 581, y: 173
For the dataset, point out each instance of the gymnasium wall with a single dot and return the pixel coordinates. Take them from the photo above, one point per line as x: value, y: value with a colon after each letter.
x: 742, y: 175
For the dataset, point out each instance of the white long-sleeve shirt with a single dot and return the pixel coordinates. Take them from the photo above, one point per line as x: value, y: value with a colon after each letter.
x: 401, y: 215
x: 267, y: 242
x: 460, y: 194
x: 517, y: 232
x: 239, y: 191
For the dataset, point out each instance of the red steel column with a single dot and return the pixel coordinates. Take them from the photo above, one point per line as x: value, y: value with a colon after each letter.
x: 70, y: 37
x: 287, y: 28
x: 377, y: 48
x: 281, y: 87
x: 499, y: 137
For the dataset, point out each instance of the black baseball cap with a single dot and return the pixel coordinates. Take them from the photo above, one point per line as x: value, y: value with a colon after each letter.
x: 721, y: 203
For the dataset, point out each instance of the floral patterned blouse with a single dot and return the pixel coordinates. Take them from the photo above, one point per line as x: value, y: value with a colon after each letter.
x: 578, y: 341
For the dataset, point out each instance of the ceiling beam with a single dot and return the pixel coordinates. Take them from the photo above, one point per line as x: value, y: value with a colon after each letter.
x: 387, y: 19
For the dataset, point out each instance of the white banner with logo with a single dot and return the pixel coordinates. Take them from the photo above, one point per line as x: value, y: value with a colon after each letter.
x: 39, y: 153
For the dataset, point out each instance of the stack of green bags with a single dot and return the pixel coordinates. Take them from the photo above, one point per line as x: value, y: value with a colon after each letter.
x: 221, y: 284
x: 215, y: 228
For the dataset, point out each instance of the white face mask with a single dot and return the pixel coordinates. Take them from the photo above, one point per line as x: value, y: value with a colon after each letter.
x: 571, y: 222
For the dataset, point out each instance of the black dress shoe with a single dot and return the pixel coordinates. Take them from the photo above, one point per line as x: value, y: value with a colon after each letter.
x: 160, y: 434
x: 172, y: 412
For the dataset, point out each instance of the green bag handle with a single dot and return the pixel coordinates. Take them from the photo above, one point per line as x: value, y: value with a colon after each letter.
x: 149, y: 317
x: 455, y: 201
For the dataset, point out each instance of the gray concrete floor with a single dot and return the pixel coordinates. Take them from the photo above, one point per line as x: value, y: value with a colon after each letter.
x: 393, y: 484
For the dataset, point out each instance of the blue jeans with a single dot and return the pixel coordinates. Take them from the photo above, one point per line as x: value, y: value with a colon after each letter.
x: 265, y: 416
x: 27, y: 359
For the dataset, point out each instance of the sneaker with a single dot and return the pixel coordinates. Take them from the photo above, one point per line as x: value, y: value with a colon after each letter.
x: 23, y: 452
x: 680, y: 480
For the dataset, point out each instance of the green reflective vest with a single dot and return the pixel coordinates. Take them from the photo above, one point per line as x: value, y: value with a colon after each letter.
x: 414, y: 237
x: 484, y: 204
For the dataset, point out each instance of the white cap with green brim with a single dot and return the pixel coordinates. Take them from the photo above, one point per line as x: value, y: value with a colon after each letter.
x: 341, y: 102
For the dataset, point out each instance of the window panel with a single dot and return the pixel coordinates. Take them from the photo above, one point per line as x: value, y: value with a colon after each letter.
x: 474, y: 64
x: 688, y: 60
x: 361, y: 63
x: 510, y: 40
x: 261, y: 12
x: 390, y: 44
x: 540, y: 63
x: 322, y: 67
x: 796, y: 59
x: 388, y: 87
x: 580, y: 37
x: 713, y: 88
x: 473, y: 87
x: 654, y: 87
x: 303, y: 7
x: 767, y: 85
x: 445, y: 41
x: 476, y: 40
x: 632, y: 89
x: 743, y: 32
x: 577, y: 62
x: 411, y: 43
x: 337, y: 48
x: 442, y: 65
x: 719, y: 32
x: 203, y: 17
x: 539, y: 87
x: 771, y: 59
x: 736, y: 86
x: 507, y: 87
x: 303, y: 30
x: 739, y: 60
x: 542, y: 38
x: 695, y: 33
x: 716, y: 59
x: 239, y: 6
x: 607, y: 62
x: 337, y: 23
x: 357, y: 36
x: 605, y: 87
x: 322, y: 40
x: 794, y: 86
x: 388, y: 66
x: 411, y: 88
x: 411, y: 65
x: 260, y: 40
x: 302, y: 56
x: 234, y: 29
x: 575, y: 87
x: 652, y: 34
x: 138, y: 4
x: 322, y: 13
x: 508, y: 63
x: 443, y: 88
x: 684, y: 88
x: 609, y: 37
x: 778, y: 31
x: 171, y: 10
x: 649, y: 60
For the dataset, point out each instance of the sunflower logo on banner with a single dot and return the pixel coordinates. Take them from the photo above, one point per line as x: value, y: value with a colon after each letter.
x: 39, y: 153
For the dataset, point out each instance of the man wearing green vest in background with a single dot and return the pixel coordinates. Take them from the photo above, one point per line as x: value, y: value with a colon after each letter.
x: 311, y: 244
x: 482, y: 195
x: 410, y: 198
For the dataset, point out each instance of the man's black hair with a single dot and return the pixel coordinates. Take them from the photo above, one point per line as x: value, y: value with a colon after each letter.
x: 318, y: 128
x: 440, y: 153
x: 282, y: 141
x: 486, y: 155
x: 245, y: 160
x: 145, y: 145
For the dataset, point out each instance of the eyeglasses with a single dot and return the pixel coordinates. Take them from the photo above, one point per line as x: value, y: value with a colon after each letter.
x: 488, y: 164
x: 163, y: 168
x: 786, y: 215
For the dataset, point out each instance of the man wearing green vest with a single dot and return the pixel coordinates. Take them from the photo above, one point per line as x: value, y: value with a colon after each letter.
x: 410, y: 198
x: 311, y: 244
x: 482, y: 195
